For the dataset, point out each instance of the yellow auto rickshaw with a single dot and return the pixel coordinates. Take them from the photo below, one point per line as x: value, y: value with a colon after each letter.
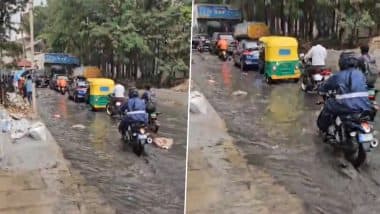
x: 99, y: 90
x: 280, y: 58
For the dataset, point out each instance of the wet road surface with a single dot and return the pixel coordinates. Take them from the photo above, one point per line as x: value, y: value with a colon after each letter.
x: 274, y: 128
x: 154, y: 184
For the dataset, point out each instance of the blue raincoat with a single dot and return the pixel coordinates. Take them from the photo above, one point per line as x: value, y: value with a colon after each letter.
x: 135, y: 110
x: 351, y: 92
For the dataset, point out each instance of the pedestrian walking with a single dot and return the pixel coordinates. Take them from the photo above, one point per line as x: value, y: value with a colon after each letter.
x: 29, y: 89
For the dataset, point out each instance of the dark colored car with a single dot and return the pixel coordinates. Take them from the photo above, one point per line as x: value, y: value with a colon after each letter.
x: 222, y: 35
x: 41, y: 80
x: 77, y: 89
x: 198, y: 38
x: 53, y: 82
x: 247, y: 55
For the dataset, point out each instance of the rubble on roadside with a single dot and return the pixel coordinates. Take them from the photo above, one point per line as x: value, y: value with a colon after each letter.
x: 17, y: 106
x: 18, y: 127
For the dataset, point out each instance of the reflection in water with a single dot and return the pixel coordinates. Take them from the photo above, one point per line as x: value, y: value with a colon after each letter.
x: 283, y: 109
x: 98, y: 131
x: 62, y: 107
x: 226, y: 74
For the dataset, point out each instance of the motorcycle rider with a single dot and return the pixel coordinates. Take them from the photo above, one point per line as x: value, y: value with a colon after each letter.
x: 118, y: 92
x: 135, y: 110
x: 364, y: 50
x: 149, y: 98
x: 317, y: 54
x: 222, y: 45
x: 351, y: 97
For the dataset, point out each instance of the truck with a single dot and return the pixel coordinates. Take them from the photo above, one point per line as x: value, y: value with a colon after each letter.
x: 87, y: 72
x: 251, y: 30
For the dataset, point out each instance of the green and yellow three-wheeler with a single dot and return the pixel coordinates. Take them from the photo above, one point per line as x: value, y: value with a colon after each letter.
x: 99, y: 90
x: 280, y: 56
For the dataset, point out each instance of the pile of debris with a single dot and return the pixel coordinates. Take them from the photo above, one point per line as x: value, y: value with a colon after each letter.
x: 18, y: 127
x: 17, y: 105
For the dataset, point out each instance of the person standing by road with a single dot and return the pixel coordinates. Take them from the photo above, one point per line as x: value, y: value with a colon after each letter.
x: 29, y: 89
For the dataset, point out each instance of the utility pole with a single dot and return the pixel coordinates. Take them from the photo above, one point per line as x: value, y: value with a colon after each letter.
x: 31, y: 20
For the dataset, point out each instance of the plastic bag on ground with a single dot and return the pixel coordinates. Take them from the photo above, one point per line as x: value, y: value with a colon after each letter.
x: 164, y: 143
x: 38, y: 131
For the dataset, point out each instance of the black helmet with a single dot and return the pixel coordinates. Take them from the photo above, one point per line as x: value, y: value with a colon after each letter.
x: 348, y: 60
x: 133, y: 92
x: 364, y: 49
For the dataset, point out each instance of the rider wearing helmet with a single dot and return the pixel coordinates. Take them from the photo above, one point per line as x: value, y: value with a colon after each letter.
x: 135, y: 110
x: 350, y: 89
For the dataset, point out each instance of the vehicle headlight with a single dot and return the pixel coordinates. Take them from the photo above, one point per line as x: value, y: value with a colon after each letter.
x: 274, y: 68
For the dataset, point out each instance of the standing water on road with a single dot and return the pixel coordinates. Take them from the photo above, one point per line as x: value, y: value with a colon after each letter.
x: 274, y: 127
x: 154, y: 184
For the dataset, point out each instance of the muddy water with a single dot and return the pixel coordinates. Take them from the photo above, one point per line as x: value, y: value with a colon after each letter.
x: 274, y: 127
x: 154, y: 184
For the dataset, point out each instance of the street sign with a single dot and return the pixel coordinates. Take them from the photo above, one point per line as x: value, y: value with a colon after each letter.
x: 60, y: 58
x: 218, y: 12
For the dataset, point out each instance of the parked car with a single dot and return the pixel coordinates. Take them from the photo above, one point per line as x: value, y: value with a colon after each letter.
x: 222, y: 35
x: 53, y: 82
x: 201, y: 38
x: 247, y: 55
x: 41, y: 80
x: 77, y: 89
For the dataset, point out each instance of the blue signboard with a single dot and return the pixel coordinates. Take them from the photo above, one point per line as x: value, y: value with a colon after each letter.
x: 218, y: 12
x: 59, y: 58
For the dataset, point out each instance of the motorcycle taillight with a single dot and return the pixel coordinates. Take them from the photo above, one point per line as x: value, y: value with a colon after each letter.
x: 326, y: 72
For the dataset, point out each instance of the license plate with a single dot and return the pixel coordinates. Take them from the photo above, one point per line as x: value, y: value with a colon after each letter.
x: 118, y: 103
x: 142, y: 137
x: 153, y: 115
x: 371, y: 92
x: 365, y: 137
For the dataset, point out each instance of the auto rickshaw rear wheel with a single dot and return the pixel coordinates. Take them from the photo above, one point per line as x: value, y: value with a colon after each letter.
x: 268, y: 79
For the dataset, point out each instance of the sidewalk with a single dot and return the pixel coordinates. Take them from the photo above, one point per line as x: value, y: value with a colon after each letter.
x: 35, y: 178
x: 219, y: 178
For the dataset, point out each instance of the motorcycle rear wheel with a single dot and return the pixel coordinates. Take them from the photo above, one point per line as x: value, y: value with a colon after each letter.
x: 358, y: 157
x: 109, y: 110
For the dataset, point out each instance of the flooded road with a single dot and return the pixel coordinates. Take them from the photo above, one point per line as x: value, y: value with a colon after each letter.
x: 274, y: 128
x: 154, y: 184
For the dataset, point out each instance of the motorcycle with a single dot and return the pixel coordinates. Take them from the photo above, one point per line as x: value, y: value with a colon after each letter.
x: 223, y: 55
x: 113, y: 106
x: 137, y: 137
x: 353, y: 134
x: 62, y: 90
x: 316, y: 77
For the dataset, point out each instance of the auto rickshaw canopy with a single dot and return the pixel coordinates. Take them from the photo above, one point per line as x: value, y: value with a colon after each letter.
x: 280, y: 48
x: 101, y: 86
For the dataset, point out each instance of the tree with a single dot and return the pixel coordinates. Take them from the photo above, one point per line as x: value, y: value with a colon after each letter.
x: 147, y: 40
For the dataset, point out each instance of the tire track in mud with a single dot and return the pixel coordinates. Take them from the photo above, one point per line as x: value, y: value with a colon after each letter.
x: 289, y: 149
x: 154, y: 184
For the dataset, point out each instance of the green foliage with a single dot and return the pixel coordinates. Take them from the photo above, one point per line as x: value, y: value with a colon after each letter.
x: 136, y: 33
